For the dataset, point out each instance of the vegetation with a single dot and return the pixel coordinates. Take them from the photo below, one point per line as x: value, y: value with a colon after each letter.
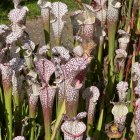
x: 91, y: 91
x: 7, y: 5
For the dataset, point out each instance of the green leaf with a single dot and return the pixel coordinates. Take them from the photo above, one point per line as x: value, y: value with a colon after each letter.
x: 59, y: 120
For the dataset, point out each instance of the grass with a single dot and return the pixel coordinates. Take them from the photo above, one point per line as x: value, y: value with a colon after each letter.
x: 72, y: 5
x: 34, y: 10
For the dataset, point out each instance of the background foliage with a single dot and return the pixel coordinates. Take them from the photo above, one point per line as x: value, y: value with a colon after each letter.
x: 7, y: 5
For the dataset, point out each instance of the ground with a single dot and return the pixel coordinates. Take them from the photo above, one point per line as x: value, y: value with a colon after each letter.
x: 34, y: 24
x: 35, y: 29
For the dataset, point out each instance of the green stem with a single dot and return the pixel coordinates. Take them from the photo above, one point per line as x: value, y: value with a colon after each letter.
x: 111, y: 42
x: 130, y: 125
x: 59, y: 105
x: 99, y: 126
x: 90, y: 120
x: 130, y: 108
x: 58, y: 41
x: 8, y: 109
x: 138, y: 22
x: 133, y: 129
x: 47, y: 30
x: 109, y: 97
x: 71, y: 108
x: 29, y: 61
x: 32, y: 115
x: 32, y: 108
x: 59, y: 119
x: 111, y: 36
x: 1, y: 96
x: 112, y: 26
x: 1, y: 105
x: 47, y: 123
x: 100, y: 121
x: 129, y: 14
x: 58, y: 109
x: 100, y: 52
x: 46, y: 35
x: 17, y: 113
x: 72, y: 105
x: 121, y: 74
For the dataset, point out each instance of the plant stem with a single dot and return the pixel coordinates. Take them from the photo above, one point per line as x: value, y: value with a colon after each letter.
x: 58, y: 40
x: 1, y: 105
x: 71, y: 108
x: 138, y: 22
x: 32, y: 115
x: 1, y: 96
x: 47, y: 99
x: 47, y: 31
x: 128, y: 14
x: 29, y: 61
x: 111, y: 36
x: 130, y: 125
x: 112, y: 27
x: 32, y: 107
x: 58, y: 109
x: 131, y: 82
x: 59, y: 105
x: 100, y: 52
x: 100, y: 121
x: 47, y: 123
x: 59, y: 119
x: 121, y: 74
x: 17, y: 113
x: 8, y: 109
x: 46, y: 22
x: 90, y: 120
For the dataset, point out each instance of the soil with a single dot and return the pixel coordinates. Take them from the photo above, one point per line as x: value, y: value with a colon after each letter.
x: 35, y: 29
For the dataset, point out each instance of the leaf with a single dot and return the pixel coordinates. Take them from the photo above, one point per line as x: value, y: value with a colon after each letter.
x: 138, y: 25
x: 59, y: 120
x: 45, y: 69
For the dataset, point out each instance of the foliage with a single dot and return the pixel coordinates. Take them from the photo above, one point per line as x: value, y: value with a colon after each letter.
x: 89, y: 92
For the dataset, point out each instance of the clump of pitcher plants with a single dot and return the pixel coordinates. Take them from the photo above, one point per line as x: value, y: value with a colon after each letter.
x: 89, y: 91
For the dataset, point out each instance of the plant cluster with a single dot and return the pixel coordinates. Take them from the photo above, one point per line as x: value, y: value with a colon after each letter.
x: 89, y: 92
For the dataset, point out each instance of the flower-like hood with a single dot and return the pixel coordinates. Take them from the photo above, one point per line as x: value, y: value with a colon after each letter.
x: 18, y: 15
x: 45, y: 69
x: 73, y: 67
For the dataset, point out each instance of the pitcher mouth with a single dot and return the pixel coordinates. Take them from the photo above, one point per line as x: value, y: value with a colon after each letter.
x: 116, y: 4
x: 73, y: 135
